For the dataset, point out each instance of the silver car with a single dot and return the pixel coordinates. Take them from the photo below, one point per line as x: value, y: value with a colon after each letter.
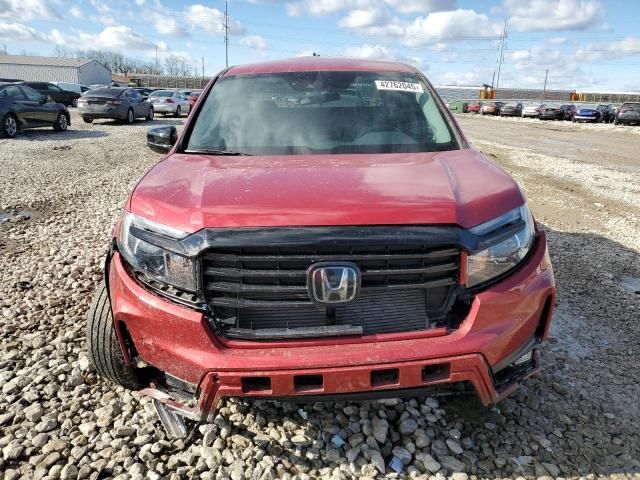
x: 119, y: 103
x: 169, y: 102
x: 533, y: 110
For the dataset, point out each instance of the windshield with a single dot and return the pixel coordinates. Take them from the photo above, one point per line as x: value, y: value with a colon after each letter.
x: 321, y: 112
x: 161, y: 93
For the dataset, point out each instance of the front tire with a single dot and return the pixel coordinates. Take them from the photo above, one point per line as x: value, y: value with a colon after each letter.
x: 103, y: 346
x: 150, y: 115
x: 87, y: 119
x: 9, y: 127
x: 130, y: 116
x: 61, y: 124
x: 178, y: 111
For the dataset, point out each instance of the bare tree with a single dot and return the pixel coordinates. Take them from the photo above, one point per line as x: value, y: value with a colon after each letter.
x: 171, y: 63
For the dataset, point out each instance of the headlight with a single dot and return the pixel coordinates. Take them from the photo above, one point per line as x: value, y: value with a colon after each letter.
x: 157, y: 262
x: 504, y: 255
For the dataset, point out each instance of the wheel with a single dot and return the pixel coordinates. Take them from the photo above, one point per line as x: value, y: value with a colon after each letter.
x: 62, y: 122
x: 102, y: 343
x: 178, y: 111
x: 9, y: 126
x: 150, y: 115
x: 74, y: 102
x: 130, y: 116
x: 87, y: 119
x: 616, y: 121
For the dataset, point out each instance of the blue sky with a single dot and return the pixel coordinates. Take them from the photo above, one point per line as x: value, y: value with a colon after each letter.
x: 585, y: 44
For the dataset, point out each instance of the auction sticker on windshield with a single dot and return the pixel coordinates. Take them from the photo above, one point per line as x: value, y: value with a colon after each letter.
x: 398, y: 86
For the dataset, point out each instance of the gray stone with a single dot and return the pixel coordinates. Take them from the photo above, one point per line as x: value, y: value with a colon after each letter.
x: 430, y: 463
x: 407, y: 426
x: 380, y: 429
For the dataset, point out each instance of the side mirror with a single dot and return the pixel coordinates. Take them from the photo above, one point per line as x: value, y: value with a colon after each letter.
x: 162, y: 139
x: 46, y: 99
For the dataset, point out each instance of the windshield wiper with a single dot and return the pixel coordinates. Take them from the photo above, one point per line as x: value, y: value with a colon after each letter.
x: 206, y: 151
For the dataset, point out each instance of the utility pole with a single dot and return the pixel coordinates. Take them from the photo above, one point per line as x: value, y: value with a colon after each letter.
x: 202, y: 67
x: 544, y: 89
x: 156, y: 59
x: 501, y: 55
x: 5, y: 48
x: 226, y: 32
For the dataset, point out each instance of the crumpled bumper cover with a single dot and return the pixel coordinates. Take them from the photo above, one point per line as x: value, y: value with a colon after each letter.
x: 507, y: 317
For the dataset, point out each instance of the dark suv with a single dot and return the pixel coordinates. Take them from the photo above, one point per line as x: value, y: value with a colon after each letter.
x: 320, y: 228
x: 55, y: 92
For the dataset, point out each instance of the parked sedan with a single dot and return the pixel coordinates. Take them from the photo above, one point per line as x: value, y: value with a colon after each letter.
x: 193, y: 97
x: 587, y: 113
x: 59, y: 95
x: 23, y: 107
x: 628, y: 113
x: 511, y: 110
x: 169, y: 102
x: 119, y: 103
x: 568, y: 111
x: 532, y: 110
x: 551, y: 112
x: 492, y: 108
x: 474, y: 107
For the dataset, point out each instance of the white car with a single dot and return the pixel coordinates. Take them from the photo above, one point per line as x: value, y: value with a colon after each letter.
x: 532, y: 110
x: 169, y: 102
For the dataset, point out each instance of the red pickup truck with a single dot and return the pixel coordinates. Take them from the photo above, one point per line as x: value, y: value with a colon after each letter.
x: 322, y: 228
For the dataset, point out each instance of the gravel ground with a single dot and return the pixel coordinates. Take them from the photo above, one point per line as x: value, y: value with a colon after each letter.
x: 579, y: 418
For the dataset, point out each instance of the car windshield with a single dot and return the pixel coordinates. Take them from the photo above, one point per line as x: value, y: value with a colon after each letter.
x: 321, y: 112
x: 632, y: 106
x: 161, y: 93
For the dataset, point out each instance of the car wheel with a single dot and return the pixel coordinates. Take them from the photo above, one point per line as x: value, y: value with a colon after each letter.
x: 130, y: 116
x: 87, y: 119
x: 150, y: 115
x: 103, y: 346
x: 74, y: 102
x: 178, y: 111
x: 61, y: 124
x: 9, y: 126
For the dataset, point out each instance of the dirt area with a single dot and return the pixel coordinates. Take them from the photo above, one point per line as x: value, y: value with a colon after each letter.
x: 580, y: 418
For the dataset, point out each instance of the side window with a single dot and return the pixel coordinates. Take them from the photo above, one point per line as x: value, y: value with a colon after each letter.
x: 11, y: 92
x: 53, y: 88
x: 31, y: 94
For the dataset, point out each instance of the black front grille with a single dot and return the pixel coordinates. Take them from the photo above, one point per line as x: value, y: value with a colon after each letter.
x: 404, y: 287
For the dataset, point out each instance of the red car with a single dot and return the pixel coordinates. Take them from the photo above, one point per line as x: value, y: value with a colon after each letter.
x: 193, y: 98
x: 320, y: 228
x: 474, y: 107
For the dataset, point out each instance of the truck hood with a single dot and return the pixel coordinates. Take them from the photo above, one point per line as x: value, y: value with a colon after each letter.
x: 191, y: 192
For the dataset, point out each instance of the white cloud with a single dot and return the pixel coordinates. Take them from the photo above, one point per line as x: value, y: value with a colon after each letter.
x: 165, y: 21
x: 140, y: 2
x: 20, y: 32
x: 546, y: 15
x: 76, y: 12
x: 452, y: 25
x: 361, y: 18
x: 438, y: 28
x: 210, y: 20
x: 608, y: 50
x: 25, y: 10
x: 380, y: 52
x: 254, y: 41
x: 326, y: 7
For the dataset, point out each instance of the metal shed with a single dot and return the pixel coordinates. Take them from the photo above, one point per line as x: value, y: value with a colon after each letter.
x: 54, y: 69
